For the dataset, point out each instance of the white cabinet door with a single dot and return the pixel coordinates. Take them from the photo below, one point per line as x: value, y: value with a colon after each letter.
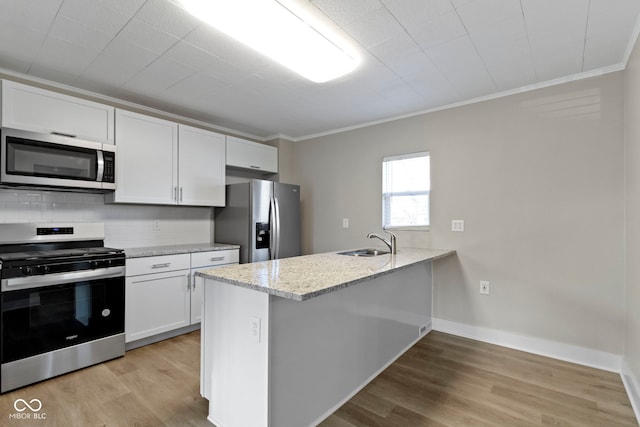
x: 205, y: 261
x: 156, y: 303
x: 197, y: 297
x: 201, y: 167
x: 146, y: 160
x: 38, y: 110
x: 251, y: 155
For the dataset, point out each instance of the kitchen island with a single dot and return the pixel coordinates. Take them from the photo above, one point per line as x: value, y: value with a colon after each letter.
x: 286, y: 342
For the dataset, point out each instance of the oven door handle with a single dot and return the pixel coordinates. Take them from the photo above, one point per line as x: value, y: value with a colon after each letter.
x: 18, y: 283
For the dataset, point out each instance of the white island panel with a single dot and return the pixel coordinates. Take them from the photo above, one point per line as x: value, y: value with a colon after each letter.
x: 236, y: 368
x: 325, y: 349
x: 313, y: 355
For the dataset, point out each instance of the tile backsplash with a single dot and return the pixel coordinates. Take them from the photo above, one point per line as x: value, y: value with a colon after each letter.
x: 126, y: 226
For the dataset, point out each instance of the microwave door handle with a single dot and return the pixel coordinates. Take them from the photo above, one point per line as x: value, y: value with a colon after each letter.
x: 100, y: 172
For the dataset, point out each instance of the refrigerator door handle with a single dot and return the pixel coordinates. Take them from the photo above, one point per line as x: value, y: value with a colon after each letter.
x: 277, y: 230
x: 272, y: 228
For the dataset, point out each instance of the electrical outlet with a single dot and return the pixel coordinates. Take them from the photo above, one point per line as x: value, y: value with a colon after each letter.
x: 484, y: 287
x: 345, y: 222
x: 457, y: 225
x: 423, y: 330
x: 254, y: 328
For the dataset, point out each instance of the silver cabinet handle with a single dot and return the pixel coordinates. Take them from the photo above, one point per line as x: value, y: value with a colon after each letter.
x: 175, y: 194
x: 68, y: 135
x: 254, y: 167
x: 217, y: 258
x: 163, y: 265
x: 180, y: 195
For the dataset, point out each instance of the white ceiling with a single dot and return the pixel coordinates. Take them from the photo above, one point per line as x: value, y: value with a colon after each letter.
x: 418, y: 55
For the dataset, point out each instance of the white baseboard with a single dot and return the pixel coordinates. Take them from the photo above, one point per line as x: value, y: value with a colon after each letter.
x: 557, y: 350
x: 632, y: 385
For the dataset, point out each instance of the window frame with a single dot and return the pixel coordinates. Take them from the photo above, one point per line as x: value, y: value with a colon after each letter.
x: 386, y: 196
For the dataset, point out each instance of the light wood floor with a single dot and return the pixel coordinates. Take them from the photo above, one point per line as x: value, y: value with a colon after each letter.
x: 442, y: 381
x: 446, y: 380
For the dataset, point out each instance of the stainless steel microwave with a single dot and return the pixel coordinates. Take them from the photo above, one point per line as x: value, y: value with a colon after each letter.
x: 53, y: 160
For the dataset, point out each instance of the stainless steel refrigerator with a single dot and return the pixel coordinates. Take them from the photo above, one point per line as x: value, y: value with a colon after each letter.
x: 263, y: 217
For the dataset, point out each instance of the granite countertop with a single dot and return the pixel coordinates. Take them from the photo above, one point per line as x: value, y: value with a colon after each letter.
x: 176, y: 249
x: 304, y: 277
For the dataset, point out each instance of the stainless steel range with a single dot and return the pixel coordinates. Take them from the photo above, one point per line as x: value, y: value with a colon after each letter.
x: 62, y: 301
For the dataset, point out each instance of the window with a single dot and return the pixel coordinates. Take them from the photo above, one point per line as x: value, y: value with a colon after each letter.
x: 406, y: 184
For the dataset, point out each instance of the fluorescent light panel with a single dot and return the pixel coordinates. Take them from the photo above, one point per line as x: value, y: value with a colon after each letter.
x: 296, y: 40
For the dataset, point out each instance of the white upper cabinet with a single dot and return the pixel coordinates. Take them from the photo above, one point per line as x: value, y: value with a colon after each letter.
x: 38, y: 110
x: 201, y: 167
x: 161, y: 162
x: 251, y: 155
x: 146, y: 169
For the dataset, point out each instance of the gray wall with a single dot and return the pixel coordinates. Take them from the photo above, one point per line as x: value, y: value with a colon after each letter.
x: 538, y: 178
x: 285, y: 160
x: 632, y: 157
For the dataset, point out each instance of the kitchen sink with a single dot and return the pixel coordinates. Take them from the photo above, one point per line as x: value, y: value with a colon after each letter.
x: 364, y: 252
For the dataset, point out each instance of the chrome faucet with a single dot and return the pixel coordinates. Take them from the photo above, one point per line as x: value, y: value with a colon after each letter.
x: 391, y: 243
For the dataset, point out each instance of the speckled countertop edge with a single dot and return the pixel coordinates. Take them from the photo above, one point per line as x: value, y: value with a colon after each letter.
x: 309, y: 276
x: 146, y: 251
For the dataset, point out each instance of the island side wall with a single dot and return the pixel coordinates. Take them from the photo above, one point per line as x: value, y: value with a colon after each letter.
x: 325, y: 349
x: 306, y: 358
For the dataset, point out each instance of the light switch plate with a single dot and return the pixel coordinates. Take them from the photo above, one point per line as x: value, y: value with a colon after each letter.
x: 457, y: 225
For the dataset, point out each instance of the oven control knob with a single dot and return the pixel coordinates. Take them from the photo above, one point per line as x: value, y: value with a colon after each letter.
x: 94, y: 264
x: 27, y: 271
x: 43, y: 269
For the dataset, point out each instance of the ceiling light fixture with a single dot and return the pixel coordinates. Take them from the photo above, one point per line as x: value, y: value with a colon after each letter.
x: 283, y: 31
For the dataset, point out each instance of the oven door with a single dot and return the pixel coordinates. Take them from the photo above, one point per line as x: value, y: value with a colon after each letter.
x: 30, y: 158
x: 64, y: 310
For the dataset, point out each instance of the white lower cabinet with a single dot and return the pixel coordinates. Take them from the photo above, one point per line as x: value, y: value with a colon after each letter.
x: 157, y: 295
x: 205, y: 261
x: 164, y: 294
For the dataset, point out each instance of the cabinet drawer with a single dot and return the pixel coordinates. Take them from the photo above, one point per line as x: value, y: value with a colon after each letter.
x: 204, y: 259
x: 157, y: 264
